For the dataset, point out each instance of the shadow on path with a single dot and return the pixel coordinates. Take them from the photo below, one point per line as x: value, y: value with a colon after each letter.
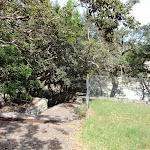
x: 24, y: 136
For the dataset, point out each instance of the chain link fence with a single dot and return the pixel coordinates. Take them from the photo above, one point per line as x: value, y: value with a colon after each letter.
x: 122, y: 88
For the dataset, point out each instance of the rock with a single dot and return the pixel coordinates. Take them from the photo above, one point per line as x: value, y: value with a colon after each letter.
x: 80, y: 94
x: 35, y: 100
x: 38, y: 105
x: 2, y: 101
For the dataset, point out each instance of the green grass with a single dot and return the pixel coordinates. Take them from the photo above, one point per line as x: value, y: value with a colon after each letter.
x: 115, y: 125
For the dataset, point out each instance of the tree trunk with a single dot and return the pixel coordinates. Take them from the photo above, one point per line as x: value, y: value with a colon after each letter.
x: 100, y: 91
x: 114, y: 86
x: 143, y: 94
x: 147, y: 88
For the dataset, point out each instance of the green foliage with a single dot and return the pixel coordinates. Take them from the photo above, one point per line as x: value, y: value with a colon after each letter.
x: 108, y: 14
x: 43, y: 43
x: 136, y: 61
x: 20, y: 71
x: 136, y: 48
x: 38, y: 45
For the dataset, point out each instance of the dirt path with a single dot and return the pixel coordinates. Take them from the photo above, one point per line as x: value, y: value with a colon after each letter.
x: 40, y: 136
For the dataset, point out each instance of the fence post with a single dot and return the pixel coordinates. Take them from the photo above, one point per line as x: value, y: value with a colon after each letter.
x: 87, y: 93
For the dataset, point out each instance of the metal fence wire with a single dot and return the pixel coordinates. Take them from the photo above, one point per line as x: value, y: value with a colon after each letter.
x: 120, y: 87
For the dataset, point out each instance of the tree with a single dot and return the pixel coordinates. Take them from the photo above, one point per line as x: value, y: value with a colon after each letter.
x: 137, y: 50
x: 108, y: 14
x: 44, y: 44
x: 42, y: 39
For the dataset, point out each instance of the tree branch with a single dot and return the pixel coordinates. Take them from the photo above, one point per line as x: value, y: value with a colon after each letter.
x: 129, y: 50
x: 90, y: 62
x: 17, y: 17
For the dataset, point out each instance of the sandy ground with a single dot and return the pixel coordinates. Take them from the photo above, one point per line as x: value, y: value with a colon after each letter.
x: 42, y: 136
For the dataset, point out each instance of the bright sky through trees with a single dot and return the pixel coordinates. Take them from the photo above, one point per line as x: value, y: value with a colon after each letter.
x: 141, y: 11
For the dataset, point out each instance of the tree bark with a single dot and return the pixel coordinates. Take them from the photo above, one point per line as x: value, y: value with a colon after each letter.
x: 114, y: 86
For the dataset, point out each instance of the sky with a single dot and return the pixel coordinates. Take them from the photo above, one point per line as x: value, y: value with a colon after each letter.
x: 141, y: 11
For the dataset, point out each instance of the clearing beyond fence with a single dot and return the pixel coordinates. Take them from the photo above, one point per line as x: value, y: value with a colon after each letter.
x: 121, y: 87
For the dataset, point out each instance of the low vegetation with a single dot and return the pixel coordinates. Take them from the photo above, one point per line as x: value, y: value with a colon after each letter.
x: 115, y: 125
x: 81, y: 111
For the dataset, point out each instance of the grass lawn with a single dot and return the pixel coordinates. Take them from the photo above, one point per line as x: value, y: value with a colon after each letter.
x: 115, y: 125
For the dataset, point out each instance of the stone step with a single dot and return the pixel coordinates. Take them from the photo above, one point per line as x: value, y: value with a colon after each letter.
x: 23, y: 117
